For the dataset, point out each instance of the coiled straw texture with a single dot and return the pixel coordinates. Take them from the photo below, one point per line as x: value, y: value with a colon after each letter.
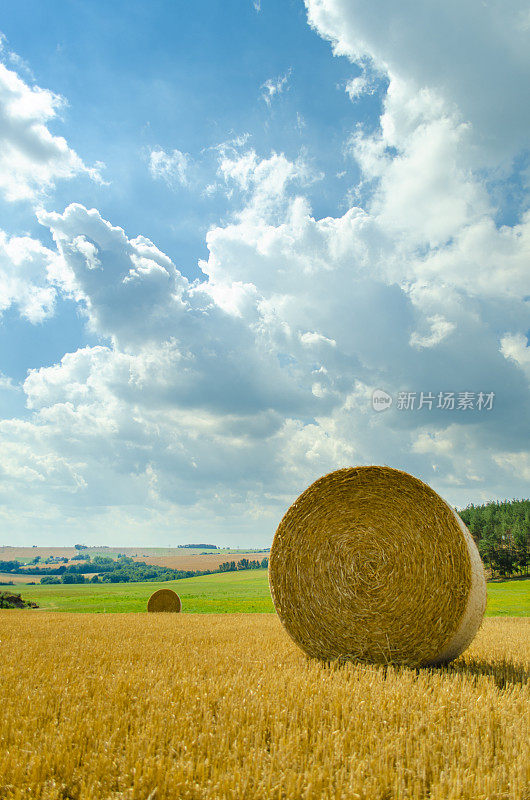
x: 164, y: 600
x: 369, y: 563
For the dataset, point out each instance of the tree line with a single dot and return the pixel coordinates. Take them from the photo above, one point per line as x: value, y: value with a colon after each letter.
x: 106, y: 569
x: 502, y: 533
x: 244, y: 563
x: 121, y: 570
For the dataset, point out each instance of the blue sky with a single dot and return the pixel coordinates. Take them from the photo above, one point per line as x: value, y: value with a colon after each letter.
x: 224, y: 226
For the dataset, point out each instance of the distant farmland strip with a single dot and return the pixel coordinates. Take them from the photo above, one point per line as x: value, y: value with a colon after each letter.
x: 200, y: 562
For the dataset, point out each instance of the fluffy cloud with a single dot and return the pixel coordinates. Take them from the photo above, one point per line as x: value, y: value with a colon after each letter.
x: 474, y: 55
x: 32, y: 159
x: 27, y: 275
x: 516, y: 347
x: 201, y: 344
x: 265, y: 184
x: 126, y: 285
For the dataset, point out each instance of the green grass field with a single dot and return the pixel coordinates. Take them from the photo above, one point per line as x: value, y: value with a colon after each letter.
x: 227, y: 592
x: 509, y: 598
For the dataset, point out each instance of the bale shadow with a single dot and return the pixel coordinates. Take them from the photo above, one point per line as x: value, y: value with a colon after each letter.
x: 504, y: 673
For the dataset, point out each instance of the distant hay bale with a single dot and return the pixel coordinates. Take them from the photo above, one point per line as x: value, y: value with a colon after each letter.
x: 370, y: 563
x: 164, y: 600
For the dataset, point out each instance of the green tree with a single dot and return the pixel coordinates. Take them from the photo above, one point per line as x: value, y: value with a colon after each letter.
x: 73, y: 577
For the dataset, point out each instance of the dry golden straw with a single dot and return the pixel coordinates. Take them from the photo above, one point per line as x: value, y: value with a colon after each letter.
x: 164, y: 600
x: 227, y: 708
x: 370, y: 563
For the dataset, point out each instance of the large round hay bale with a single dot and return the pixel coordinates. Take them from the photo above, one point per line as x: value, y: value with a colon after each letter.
x: 370, y: 563
x: 164, y: 600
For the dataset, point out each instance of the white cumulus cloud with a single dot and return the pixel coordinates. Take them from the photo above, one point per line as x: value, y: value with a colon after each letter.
x: 27, y: 271
x: 474, y: 55
x: 32, y: 159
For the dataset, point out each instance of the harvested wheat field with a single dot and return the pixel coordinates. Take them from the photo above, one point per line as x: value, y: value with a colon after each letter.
x: 198, y: 707
x: 199, y: 561
x: 6, y: 578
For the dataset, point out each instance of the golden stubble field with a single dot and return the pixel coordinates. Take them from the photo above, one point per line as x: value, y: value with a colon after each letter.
x: 206, y: 707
